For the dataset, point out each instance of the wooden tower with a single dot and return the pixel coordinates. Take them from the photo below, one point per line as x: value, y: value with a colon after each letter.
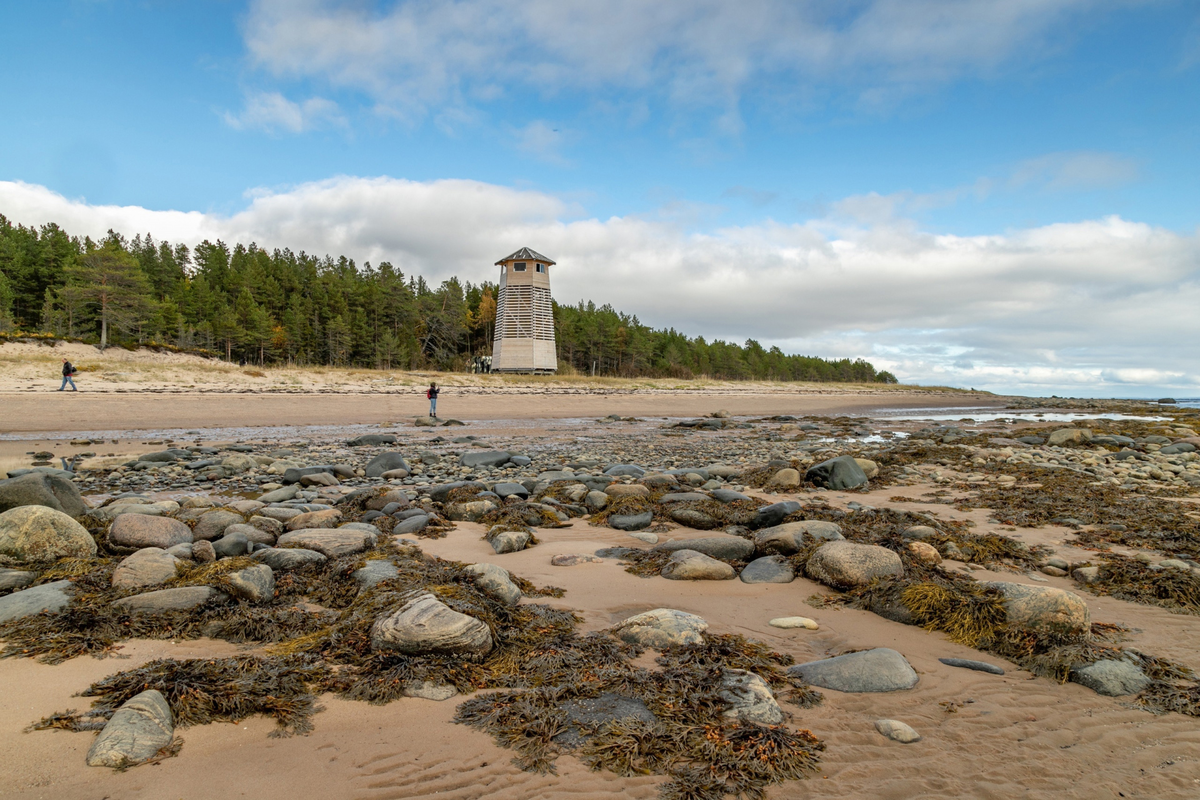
x: 524, y: 315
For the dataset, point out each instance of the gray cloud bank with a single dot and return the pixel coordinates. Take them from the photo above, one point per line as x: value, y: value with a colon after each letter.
x: 1103, y: 307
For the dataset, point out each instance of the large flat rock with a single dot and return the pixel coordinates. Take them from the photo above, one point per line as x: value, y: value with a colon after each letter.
x: 878, y: 670
x: 330, y: 542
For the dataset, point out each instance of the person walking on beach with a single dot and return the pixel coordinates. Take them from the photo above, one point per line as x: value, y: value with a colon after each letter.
x: 432, y: 395
x: 67, y: 373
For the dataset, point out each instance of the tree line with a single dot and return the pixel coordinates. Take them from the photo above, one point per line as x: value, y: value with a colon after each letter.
x: 243, y: 303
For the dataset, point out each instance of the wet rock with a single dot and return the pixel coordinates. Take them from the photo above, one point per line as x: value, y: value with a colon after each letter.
x: 846, y: 565
x: 837, y: 473
x: 424, y: 624
x: 978, y: 666
x: 897, y: 731
x: 878, y: 670
x: 768, y: 569
x: 689, y: 565
x: 790, y: 537
x: 728, y: 548
x: 1044, y: 608
x: 631, y: 522
x: 1111, y: 678
x: 330, y: 542
x: 495, y: 582
x: 773, y: 514
x: 137, y: 530
x: 749, y: 697
x: 661, y: 628
x: 586, y: 714
x: 36, y: 533
x: 42, y: 489
x: 141, y: 727
x: 26, y: 602
x: 256, y: 584
x: 180, y: 599
x: 149, y: 566
x: 285, y: 559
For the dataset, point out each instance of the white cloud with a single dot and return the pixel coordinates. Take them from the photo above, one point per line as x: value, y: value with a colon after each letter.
x: 694, y: 52
x: 1075, y: 170
x: 1102, y: 306
x: 272, y: 112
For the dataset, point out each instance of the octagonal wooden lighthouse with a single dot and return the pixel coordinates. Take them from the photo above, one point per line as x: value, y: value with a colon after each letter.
x: 524, y: 315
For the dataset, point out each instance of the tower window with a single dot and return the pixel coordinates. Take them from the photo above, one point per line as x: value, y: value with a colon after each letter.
x: 519, y: 266
x: 541, y: 267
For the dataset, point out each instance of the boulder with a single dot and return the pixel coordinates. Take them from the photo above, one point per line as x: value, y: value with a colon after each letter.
x: 728, y: 548
x: 689, y: 565
x: 924, y: 551
x: 328, y: 541
x: 774, y: 514
x: 627, y: 490
x: 869, y: 467
x: 138, y: 530
x: 749, y: 697
x: 212, y: 524
x: 141, y: 727
x: 484, y: 458
x: 203, y: 553
x: 42, y: 489
x: 897, y: 731
x: 596, y: 501
x: 839, y: 473
x: 573, y: 559
x: 693, y: 518
x: 30, y: 534
x: 239, y: 463
x: 768, y: 569
x: 319, y: 479
x: 791, y: 537
x: 510, y: 541
x: 1068, y: 436
x: 728, y: 496
x: 314, y: 519
x: 411, y: 524
x: 661, y: 628
x: 180, y: 599
x: 786, y: 478
x: 149, y: 566
x: 631, y: 522
x: 16, y: 579
x: 470, y: 511
x: 232, y: 544
x: 386, y: 462
x: 256, y: 584
x: 285, y: 559
x: 280, y: 495
x: 1111, y: 678
x: 1044, y: 608
x: 397, y: 499
x: 373, y: 572
x: 425, y: 624
x: 878, y: 670
x: 846, y: 565
x: 625, y: 470
x: 264, y: 531
x: 26, y: 602
x: 371, y: 440
x: 496, y: 582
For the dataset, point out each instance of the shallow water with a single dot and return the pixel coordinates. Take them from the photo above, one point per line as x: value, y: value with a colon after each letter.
x: 988, y: 414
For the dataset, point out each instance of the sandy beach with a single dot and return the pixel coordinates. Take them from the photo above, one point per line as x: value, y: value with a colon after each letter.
x: 982, y: 735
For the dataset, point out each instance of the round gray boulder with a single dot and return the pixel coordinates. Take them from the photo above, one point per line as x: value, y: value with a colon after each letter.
x: 878, y: 670
x: 140, y: 530
x: 30, y: 534
x: 845, y: 565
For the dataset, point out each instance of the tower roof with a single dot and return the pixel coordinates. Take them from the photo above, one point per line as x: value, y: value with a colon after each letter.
x: 525, y: 254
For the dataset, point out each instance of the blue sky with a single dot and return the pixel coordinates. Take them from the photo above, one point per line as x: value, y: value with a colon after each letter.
x: 956, y: 190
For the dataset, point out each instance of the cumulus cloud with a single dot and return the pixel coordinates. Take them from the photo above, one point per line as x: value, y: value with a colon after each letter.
x: 272, y: 112
x: 1103, y: 306
x: 705, y: 52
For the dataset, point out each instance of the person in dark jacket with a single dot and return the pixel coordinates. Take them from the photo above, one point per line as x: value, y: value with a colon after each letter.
x: 68, y: 372
x: 432, y: 395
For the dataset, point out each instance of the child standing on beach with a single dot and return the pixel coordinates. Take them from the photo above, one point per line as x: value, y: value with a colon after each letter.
x: 432, y: 395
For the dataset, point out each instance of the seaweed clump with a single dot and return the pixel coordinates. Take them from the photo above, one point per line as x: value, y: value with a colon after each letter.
x: 686, y: 735
x: 1133, y: 580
